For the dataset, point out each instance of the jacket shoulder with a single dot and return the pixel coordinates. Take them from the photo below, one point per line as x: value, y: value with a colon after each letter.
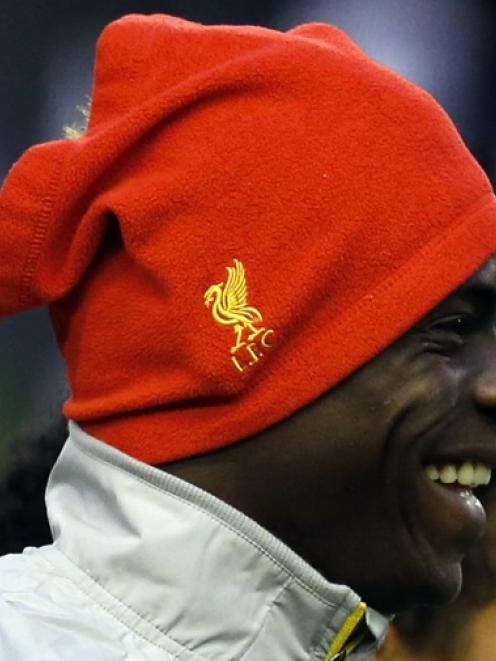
x: 44, y: 615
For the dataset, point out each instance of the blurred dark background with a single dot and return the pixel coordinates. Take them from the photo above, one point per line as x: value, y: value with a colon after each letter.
x: 46, y: 50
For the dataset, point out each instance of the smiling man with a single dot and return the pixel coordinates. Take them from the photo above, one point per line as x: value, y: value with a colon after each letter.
x: 270, y: 268
x: 391, y: 457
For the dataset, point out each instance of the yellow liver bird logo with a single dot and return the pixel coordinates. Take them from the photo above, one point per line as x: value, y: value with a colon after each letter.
x: 228, y: 302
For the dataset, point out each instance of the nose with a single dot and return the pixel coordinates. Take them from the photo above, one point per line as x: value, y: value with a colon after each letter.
x: 485, y: 386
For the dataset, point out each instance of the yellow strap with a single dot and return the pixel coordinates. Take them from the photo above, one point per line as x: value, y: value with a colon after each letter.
x: 349, y: 626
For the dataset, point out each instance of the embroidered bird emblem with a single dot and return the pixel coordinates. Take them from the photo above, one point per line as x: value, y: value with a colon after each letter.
x: 228, y: 302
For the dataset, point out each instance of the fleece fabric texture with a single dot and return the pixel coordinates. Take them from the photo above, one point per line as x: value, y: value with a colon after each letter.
x: 251, y: 216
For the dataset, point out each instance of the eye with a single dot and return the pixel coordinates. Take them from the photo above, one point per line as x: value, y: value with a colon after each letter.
x: 449, y: 333
x: 457, y: 323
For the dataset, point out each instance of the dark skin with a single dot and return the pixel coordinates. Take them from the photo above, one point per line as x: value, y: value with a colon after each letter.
x: 342, y: 481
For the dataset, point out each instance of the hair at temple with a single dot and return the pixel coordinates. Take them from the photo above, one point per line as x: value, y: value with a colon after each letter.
x: 30, y: 457
x: 78, y: 128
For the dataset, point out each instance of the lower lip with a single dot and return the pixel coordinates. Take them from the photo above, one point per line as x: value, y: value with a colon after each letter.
x: 453, y: 515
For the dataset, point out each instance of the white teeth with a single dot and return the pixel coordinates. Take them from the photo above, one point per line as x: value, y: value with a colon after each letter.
x: 466, y: 474
x: 447, y: 474
x: 469, y: 474
x: 482, y: 474
x: 432, y: 472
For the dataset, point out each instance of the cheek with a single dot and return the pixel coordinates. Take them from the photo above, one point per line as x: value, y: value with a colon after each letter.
x: 431, y: 393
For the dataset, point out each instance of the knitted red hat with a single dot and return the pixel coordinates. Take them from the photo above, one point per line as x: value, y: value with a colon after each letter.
x: 251, y: 216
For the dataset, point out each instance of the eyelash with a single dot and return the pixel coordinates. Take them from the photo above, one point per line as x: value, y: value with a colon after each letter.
x: 448, y: 334
x: 457, y: 323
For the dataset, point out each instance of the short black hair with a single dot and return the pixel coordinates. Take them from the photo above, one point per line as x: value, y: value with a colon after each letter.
x: 31, y: 455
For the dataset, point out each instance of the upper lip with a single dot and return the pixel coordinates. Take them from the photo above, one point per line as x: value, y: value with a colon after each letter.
x: 460, y: 453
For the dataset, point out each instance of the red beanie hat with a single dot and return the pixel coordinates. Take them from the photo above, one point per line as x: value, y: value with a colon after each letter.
x: 251, y: 216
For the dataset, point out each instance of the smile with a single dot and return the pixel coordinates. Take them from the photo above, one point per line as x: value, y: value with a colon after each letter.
x: 469, y: 474
x: 451, y: 512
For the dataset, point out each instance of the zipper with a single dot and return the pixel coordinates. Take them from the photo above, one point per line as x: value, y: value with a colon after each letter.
x: 350, y: 635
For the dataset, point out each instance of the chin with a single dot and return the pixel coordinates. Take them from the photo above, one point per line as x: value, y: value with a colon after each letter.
x: 435, y: 589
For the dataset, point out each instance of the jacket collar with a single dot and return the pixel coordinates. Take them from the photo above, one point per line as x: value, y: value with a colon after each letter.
x: 201, y: 572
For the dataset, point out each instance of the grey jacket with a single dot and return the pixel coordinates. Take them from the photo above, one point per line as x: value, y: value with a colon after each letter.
x: 147, y: 567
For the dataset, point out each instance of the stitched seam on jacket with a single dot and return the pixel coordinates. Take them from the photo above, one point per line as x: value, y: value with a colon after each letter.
x: 218, y: 520
x: 124, y: 606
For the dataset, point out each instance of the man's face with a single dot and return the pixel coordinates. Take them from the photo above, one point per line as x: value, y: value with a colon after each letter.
x: 344, y: 481
x: 351, y: 491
